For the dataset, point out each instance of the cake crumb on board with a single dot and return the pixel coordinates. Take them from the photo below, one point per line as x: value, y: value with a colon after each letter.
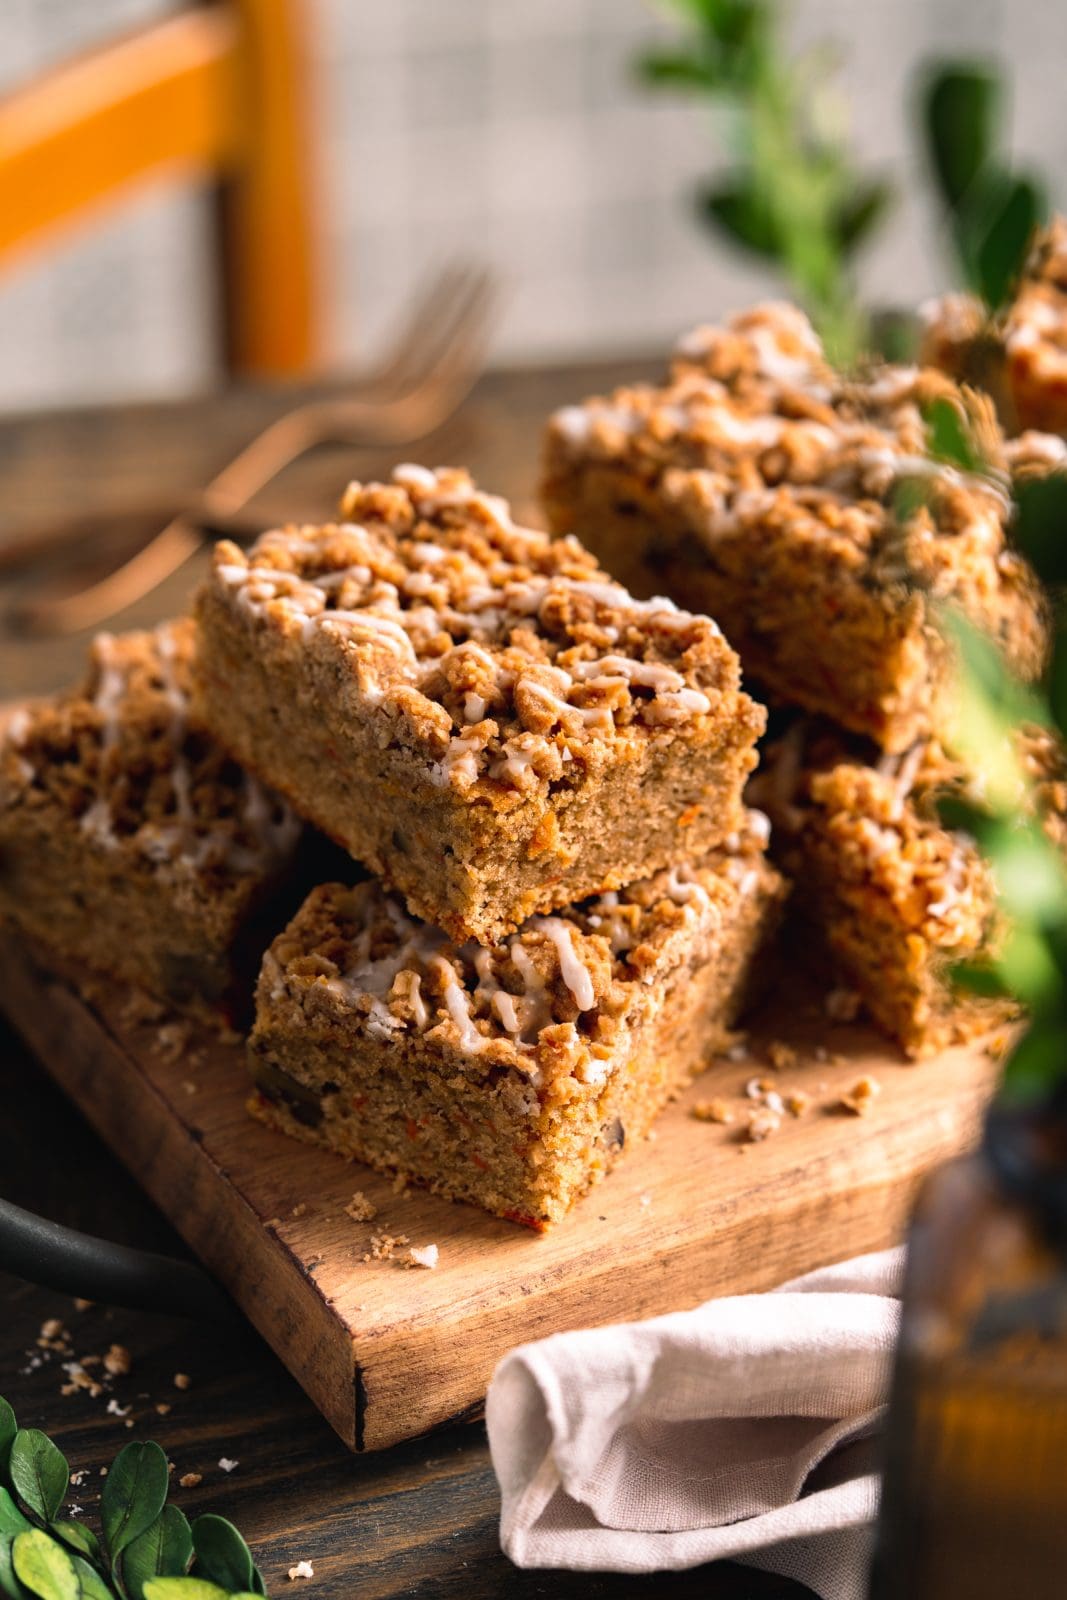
x: 712, y: 1111
x: 360, y: 1209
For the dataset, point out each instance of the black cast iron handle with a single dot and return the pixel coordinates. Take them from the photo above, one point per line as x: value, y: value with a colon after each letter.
x: 78, y: 1264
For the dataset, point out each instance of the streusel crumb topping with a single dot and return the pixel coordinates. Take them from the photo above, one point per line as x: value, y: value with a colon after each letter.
x: 121, y: 756
x: 508, y: 654
x: 754, y: 429
x: 552, y: 998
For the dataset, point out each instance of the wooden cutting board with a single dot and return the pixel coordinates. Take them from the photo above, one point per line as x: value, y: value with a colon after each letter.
x: 387, y: 1352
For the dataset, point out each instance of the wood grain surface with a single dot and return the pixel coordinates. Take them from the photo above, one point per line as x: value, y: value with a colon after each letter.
x: 418, y: 1522
x: 386, y: 1352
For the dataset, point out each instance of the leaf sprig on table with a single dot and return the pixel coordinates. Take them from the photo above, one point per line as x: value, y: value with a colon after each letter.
x: 147, y: 1549
x: 793, y: 195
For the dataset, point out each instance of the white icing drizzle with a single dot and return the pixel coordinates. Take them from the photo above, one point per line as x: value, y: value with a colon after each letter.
x: 574, y: 974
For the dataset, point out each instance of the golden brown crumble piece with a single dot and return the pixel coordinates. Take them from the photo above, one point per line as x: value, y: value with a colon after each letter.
x: 360, y: 1209
x: 383, y: 1246
x: 118, y: 1361
x: 861, y: 1096
x: 502, y: 710
x: 712, y: 1111
x: 191, y: 1480
x: 764, y: 489
x: 761, y: 1124
x: 514, y: 1074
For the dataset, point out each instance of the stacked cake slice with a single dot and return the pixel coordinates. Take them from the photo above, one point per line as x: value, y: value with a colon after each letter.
x: 130, y: 841
x: 805, y: 512
x: 545, y: 776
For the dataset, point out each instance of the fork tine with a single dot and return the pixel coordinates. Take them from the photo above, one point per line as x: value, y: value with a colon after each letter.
x: 450, y: 332
x: 408, y: 356
x: 452, y: 297
x: 458, y: 350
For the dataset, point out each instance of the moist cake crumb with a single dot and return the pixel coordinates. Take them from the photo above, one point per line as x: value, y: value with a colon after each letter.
x: 360, y: 1209
x: 712, y: 1111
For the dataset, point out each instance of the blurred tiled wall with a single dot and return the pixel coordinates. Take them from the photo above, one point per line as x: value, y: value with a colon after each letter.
x: 506, y: 129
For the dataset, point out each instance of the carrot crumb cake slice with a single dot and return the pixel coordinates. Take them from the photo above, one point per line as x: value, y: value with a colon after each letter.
x: 765, y: 490
x: 512, y: 1075
x: 472, y: 709
x: 128, y: 838
x: 897, y: 897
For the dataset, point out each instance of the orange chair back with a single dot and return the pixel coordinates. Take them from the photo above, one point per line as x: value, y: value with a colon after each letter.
x: 214, y: 94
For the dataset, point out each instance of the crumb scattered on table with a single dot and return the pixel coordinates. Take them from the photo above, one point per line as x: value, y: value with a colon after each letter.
x: 712, y: 1111
x: 118, y: 1361
x: 422, y: 1256
x: 861, y: 1096
x: 781, y: 1056
x: 383, y: 1246
x: 762, y: 1123
x: 360, y: 1209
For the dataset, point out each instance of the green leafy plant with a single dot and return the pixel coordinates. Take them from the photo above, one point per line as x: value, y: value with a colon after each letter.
x: 792, y: 195
x: 991, y: 211
x: 1028, y: 961
x: 147, y: 1550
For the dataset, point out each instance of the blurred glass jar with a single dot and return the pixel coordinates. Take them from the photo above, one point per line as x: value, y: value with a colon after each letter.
x: 975, y: 1494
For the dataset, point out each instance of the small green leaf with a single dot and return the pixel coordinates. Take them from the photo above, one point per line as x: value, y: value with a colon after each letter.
x: 10, y: 1586
x: 76, y: 1536
x: 12, y: 1520
x: 1035, y: 1064
x: 961, y: 111
x: 673, y: 68
x: 135, y: 1492
x: 39, y: 1472
x: 949, y: 436
x: 44, y: 1567
x: 1002, y: 245
x: 8, y: 1429
x: 1029, y: 872
x: 183, y: 1589
x: 979, y: 978
x: 222, y: 1553
x: 91, y: 1584
x: 164, y: 1550
x: 737, y: 209
x: 860, y: 213
x: 1039, y: 529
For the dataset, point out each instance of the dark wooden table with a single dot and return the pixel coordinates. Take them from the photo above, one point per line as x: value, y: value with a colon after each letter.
x: 421, y: 1519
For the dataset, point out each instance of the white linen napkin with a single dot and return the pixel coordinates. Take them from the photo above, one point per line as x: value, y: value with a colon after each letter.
x: 741, y: 1429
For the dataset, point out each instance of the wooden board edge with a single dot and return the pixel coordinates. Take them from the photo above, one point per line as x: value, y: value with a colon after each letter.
x: 164, y: 1154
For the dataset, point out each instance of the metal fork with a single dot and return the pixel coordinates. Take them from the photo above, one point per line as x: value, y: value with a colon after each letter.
x: 429, y: 371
